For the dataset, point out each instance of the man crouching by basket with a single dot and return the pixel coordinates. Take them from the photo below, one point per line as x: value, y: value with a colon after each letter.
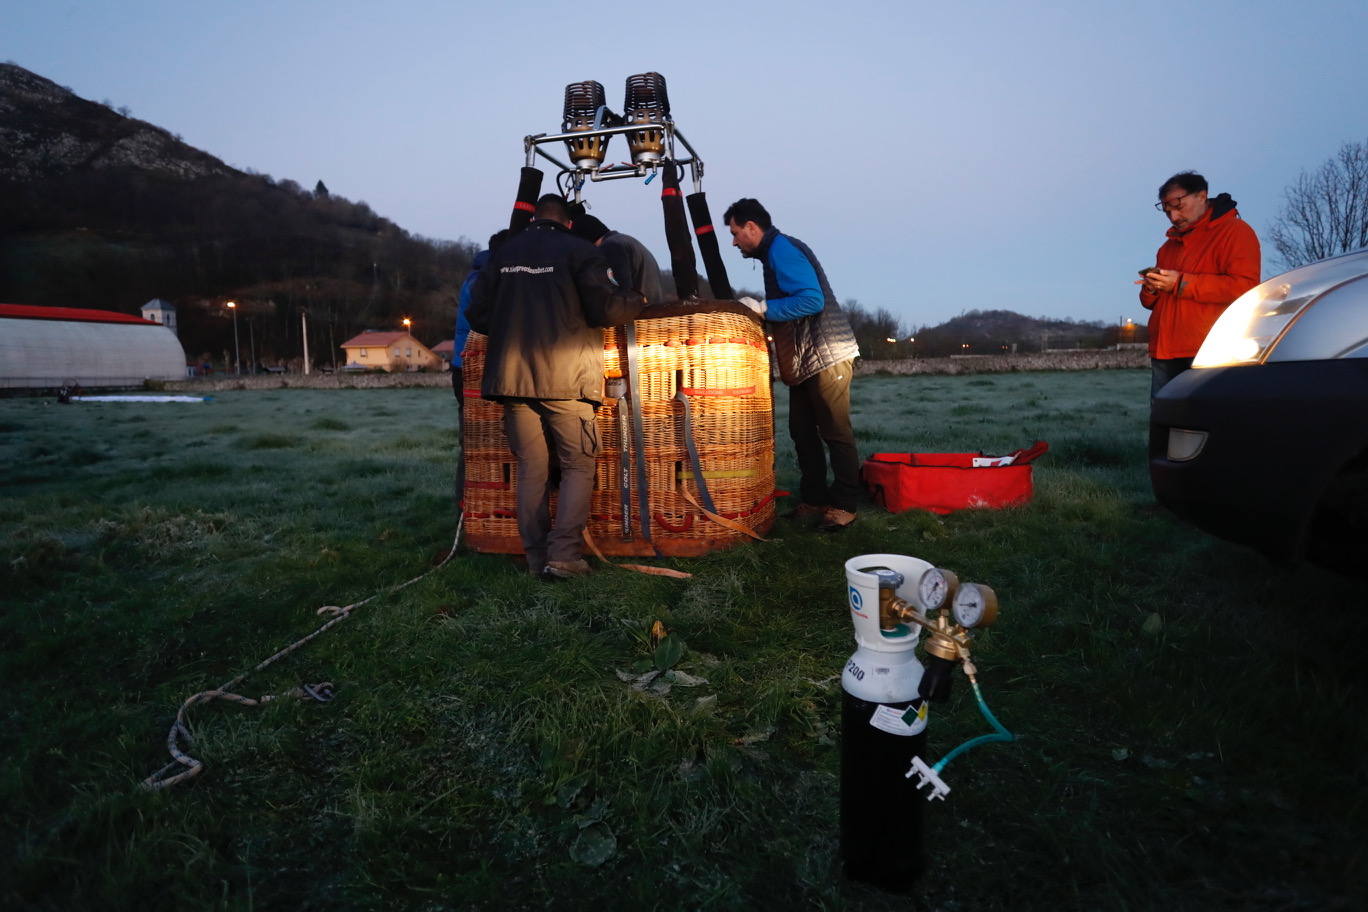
x: 540, y: 300
x: 816, y: 349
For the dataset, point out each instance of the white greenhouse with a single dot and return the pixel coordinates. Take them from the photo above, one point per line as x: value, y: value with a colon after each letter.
x: 54, y: 346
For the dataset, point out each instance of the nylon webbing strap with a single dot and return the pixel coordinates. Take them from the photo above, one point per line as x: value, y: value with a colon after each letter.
x: 638, y: 435
x: 693, y: 454
x: 624, y: 460
x: 639, y: 568
x: 719, y: 518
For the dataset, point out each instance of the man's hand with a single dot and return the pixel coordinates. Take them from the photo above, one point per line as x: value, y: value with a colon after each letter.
x: 1161, y: 281
x: 758, y: 307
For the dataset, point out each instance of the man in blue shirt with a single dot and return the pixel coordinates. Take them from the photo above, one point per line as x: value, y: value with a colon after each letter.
x: 462, y: 304
x: 815, y: 348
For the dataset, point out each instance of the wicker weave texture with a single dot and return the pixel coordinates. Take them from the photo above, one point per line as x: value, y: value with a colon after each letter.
x: 720, y: 363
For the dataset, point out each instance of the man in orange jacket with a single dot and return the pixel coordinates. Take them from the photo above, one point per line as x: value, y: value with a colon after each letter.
x: 1211, y: 257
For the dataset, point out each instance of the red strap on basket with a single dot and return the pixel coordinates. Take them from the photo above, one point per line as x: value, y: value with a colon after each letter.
x: 668, y: 526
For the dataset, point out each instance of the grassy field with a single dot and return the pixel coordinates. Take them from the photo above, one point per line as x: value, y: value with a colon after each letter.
x: 1189, y: 715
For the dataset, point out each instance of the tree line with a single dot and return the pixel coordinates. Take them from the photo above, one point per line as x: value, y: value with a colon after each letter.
x: 114, y: 239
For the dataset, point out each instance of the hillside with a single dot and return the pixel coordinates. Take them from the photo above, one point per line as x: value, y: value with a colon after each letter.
x: 986, y: 331
x: 104, y: 210
x: 979, y: 332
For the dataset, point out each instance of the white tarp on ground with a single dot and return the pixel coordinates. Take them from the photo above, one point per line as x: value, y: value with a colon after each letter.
x: 141, y: 398
x: 41, y: 353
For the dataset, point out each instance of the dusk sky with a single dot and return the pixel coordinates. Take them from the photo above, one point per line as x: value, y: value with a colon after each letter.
x: 937, y: 158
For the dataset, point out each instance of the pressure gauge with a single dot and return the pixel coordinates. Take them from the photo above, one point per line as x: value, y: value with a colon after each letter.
x: 935, y: 588
x: 975, y: 605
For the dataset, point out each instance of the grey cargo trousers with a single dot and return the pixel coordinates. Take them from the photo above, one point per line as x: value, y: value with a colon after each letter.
x: 533, y: 427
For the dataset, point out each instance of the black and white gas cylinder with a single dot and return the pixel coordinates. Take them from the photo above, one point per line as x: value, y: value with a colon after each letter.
x: 893, y: 599
x: 883, y: 725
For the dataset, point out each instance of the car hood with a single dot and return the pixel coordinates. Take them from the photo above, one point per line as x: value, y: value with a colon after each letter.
x: 1331, y: 297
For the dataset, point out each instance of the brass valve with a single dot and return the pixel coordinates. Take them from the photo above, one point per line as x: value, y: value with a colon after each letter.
x: 893, y: 610
x: 947, y: 641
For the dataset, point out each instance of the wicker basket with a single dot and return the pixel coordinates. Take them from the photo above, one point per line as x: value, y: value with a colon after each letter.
x: 720, y: 363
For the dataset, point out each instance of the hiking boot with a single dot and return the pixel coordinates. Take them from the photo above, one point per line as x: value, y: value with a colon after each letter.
x: 564, y: 570
x: 835, y: 519
x: 805, y: 511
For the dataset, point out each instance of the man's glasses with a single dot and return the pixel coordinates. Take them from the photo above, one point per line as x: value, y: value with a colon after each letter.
x: 1170, y: 205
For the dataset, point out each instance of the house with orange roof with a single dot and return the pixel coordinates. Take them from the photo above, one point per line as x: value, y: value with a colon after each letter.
x: 444, y: 350
x: 389, y: 351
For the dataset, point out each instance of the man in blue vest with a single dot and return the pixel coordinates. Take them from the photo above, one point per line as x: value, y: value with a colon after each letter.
x: 815, y: 348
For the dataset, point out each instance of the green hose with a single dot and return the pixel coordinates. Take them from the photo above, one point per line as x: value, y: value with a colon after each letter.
x: 1001, y: 733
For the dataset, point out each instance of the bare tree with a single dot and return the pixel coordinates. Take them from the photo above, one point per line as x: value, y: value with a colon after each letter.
x: 1325, y: 212
x: 877, y: 331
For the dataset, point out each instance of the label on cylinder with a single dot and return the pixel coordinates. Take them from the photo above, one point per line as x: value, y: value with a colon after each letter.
x: 888, y: 719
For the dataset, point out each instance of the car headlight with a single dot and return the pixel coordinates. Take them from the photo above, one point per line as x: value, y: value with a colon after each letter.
x: 1249, y: 328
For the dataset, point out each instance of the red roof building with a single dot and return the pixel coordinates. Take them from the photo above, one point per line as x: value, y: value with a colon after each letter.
x: 444, y: 350
x: 44, y: 347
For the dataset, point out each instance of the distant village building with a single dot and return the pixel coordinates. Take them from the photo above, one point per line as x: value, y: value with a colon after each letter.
x: 445, y: 350
x: 42, y: 347
x: 389, y: 351
x: 163, y: 312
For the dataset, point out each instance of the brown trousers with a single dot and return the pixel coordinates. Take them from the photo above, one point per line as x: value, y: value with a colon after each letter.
x: 819, y: 422
x: 535, y: 429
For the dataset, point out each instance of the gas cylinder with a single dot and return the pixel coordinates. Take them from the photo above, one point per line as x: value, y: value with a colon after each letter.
x: 883, y: 725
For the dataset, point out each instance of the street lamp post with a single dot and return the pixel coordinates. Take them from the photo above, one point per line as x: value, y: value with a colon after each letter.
x: 237, y: 358
x: 408, y: 352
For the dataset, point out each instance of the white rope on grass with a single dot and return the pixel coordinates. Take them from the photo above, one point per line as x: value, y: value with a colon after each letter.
x: 179, y: 738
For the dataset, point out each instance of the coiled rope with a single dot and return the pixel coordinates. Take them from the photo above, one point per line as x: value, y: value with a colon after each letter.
x: 178, y: 740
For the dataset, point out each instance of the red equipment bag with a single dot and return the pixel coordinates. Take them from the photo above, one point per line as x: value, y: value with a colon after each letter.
x: 945, y: 482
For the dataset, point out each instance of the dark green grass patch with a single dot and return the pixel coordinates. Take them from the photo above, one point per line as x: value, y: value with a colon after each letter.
x: 1189, y: 734
x: 269, y: 442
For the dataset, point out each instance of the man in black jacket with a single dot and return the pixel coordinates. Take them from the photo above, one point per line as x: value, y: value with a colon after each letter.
x: 631, y: 263
x: 541, y: 300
